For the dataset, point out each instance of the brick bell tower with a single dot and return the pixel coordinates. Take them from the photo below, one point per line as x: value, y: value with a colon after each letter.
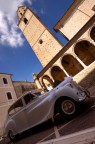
x: 43, y: 43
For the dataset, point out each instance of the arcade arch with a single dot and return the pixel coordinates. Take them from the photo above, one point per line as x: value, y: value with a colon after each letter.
x: 71, y: 65
x: 47, y: 82
x: 57, y: 73
x: 85, y: 51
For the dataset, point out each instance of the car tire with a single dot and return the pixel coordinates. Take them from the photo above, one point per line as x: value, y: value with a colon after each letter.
x: 11, y: 136
x: 67, y: 107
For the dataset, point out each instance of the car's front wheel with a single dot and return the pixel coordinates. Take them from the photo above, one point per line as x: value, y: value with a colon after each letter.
x: 67, y: 107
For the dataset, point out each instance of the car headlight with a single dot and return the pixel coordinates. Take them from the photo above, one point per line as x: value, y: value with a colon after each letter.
x: 81, y: 98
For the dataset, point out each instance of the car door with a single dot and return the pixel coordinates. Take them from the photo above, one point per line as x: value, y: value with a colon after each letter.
x: 36, y: 109
x: 19, y: 117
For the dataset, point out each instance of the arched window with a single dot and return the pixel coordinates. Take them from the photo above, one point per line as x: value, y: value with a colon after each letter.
x: 92, y: 33
x: 5, y: 81
x: 9, y: 96
x: 85, y: 51
x: 71, y: 65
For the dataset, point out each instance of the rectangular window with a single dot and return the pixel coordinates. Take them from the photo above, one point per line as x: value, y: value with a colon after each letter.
x: 9, y: 95
x: 5, y: 81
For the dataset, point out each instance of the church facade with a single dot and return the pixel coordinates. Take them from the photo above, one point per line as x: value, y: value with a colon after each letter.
x: 77, y: 58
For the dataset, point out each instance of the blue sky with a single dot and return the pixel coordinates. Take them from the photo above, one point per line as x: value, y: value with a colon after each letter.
x: 16, y: 55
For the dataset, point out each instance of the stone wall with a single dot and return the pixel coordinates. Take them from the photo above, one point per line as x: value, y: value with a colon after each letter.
x: 76, y: 18
x: 86, y: 78
x: 22, y: 87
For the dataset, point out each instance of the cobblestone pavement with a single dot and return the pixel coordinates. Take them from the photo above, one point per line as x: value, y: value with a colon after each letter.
x: 60, y: 127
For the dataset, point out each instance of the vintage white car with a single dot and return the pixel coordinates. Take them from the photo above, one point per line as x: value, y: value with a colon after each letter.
x: 30, y: 110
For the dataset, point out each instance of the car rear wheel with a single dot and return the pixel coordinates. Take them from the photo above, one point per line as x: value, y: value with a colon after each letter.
x: 11, y: 135
x: 67, y: 107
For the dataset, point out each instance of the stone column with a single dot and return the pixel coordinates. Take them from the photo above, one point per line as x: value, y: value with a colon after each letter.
x: 37, y: 82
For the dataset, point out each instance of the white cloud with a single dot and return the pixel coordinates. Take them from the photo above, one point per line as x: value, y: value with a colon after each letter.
x: 29, y: 1
x: 8, y: 25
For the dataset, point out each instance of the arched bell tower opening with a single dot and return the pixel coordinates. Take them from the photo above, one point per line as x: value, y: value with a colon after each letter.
x: 85, y: 51
x: 71, y: 65
x: 21, y: 10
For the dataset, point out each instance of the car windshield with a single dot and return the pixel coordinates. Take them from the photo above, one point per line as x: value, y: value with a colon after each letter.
x: 29, y: 97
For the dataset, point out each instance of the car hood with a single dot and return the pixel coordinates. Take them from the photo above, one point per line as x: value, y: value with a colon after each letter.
x: 49, y: 95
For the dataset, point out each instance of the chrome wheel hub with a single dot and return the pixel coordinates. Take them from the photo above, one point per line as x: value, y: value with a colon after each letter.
x: 68, y: 107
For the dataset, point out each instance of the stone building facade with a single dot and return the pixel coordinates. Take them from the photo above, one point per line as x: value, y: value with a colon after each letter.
x: 77, y: 58
x: 75, y: 17
x: 21, y: 87
x: 7, y: 96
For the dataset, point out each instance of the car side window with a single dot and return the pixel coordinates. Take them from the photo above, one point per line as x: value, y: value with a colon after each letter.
x: 37, y: 93
x: 18, y: 105
x: 29, y: 97
x: 11, y: 110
